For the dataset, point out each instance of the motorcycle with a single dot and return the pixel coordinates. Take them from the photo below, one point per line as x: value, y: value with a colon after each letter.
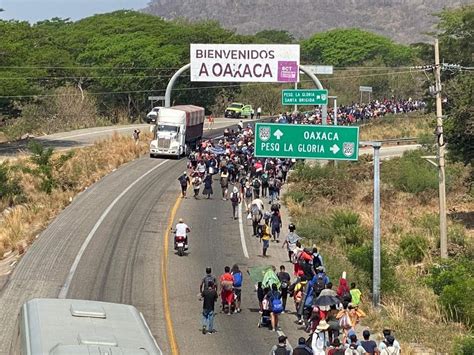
x: 180, y: 245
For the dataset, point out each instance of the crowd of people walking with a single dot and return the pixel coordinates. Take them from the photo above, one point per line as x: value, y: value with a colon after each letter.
x: 354, y: 113
x: 328, y: 314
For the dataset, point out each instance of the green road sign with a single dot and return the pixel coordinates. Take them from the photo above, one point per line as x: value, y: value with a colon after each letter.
x: 304, y: 97
x: 274, y: 140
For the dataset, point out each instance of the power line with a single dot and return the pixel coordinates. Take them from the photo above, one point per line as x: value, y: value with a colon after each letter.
x: 197, y: 87
x: 126, y: 76
x: 97, y: 67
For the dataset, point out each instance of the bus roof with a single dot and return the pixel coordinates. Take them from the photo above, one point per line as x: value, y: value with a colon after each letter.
x: 68, y: 326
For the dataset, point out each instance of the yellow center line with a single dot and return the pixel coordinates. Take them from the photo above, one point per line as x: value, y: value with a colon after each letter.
x: 164, y: 280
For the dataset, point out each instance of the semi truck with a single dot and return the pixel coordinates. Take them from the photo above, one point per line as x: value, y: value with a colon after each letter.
x: 177, y: 130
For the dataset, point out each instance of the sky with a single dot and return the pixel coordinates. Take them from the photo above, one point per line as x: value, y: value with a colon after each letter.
x: 36, y: 10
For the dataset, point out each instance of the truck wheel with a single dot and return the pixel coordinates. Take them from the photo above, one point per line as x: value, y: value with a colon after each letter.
x: 152, y: 156
x: 237, y: 115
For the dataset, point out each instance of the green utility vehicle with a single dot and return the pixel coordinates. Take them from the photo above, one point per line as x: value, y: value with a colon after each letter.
x: 237, y: 110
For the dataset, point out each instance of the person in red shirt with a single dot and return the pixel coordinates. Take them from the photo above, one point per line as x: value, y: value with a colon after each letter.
x: 227, y: 291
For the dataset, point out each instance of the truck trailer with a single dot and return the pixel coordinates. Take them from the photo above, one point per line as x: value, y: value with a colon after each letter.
x: 178, y: 129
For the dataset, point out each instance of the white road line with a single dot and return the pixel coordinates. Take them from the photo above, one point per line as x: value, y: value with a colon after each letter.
x: 242, y: 234
x: 65, y: 288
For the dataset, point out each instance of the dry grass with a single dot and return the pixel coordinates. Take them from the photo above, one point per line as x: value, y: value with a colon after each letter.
x: 413, y: 310
x: 411, y: 125
x: 21, y: 224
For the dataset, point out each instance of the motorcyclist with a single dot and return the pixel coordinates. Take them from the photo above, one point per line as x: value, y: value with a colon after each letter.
x: 181, y: 230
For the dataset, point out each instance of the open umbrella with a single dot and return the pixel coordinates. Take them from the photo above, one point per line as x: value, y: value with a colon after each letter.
x: 325, y: 302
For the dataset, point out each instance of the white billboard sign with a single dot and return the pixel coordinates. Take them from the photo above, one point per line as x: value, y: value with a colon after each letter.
x: 365, y: 88
x: 320, y: 69
x: 274, y: 63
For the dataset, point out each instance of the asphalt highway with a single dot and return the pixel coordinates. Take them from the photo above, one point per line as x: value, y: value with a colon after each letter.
x: 122, y: 261
x: 108, y: 245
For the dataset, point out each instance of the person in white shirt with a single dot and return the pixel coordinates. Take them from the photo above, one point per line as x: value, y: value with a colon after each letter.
x: 390, y: 346
x: 181, y: 230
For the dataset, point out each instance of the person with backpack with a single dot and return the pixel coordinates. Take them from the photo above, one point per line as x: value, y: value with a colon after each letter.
x: 285, y: 280
x: 336, y: 348
x: 282, y: 348
x: 238, y: 279
x: 184, y: 181
x: 275, y: 223
x: 224, y: 180
x: 291, y: 239
x: 276, y: 306
x: 265, y: 236
x: 319, y: 339
x: 207, y: 186
x: 390, y: 344
x: 227, y: 293
x: 317, y: 259
x: 302, y: 348
x: 370, y: 346
x: 271, y: 189
x: 355, y: 294
x: 256, y: 184
x: 235, y: 199
x: 248, y: 196
x: 343, y: 291
x: 207, y: 279
x: 264, y: 179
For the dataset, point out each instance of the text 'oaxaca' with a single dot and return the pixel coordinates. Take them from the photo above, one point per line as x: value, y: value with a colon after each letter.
x: 306, y: 141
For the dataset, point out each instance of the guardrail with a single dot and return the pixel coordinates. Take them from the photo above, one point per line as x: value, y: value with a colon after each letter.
x: 392, y: 141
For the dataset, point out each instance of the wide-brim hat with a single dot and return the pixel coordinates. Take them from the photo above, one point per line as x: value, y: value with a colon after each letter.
x: 323, y: 325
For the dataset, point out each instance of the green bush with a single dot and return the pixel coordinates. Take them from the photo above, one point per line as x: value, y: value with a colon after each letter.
x: 464, y: 346
x: 362, y: 258
x: 429, y: 222
x: 10, y: 189
x: 315, y: 229
x: 453, y: 281
x: 410, y: 173
x: 297, y: 196
x: 457, y: 300
x: 448, y: 272
x: 413, y: 248
x: 346, y: 224
x: 457, y: 234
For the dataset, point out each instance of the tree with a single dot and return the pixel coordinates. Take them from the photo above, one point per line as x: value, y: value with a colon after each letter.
x: 274, y: 36
x: 342, y: 47
x: 456, y: 31
x: 460, y: 123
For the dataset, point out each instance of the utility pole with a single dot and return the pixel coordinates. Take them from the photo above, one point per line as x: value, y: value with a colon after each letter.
x: 443, y: 233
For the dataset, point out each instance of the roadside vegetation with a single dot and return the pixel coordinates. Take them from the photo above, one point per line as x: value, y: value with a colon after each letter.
x: 421, y: 295
x: 34, y: 189
x: 105, y: 66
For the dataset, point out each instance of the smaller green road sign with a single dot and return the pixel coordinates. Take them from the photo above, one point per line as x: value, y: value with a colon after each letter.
x: 274, y: 140
x: 304, y: 97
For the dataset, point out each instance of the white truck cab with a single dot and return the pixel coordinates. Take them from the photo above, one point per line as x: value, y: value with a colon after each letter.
x: 177, y: 129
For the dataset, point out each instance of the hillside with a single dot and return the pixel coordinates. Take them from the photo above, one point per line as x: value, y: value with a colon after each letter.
x: 404, y: 21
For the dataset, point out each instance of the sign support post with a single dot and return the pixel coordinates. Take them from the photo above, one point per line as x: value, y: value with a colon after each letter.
x: 377, y: 261
x: 376, y: 270
x: 296, y: 105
